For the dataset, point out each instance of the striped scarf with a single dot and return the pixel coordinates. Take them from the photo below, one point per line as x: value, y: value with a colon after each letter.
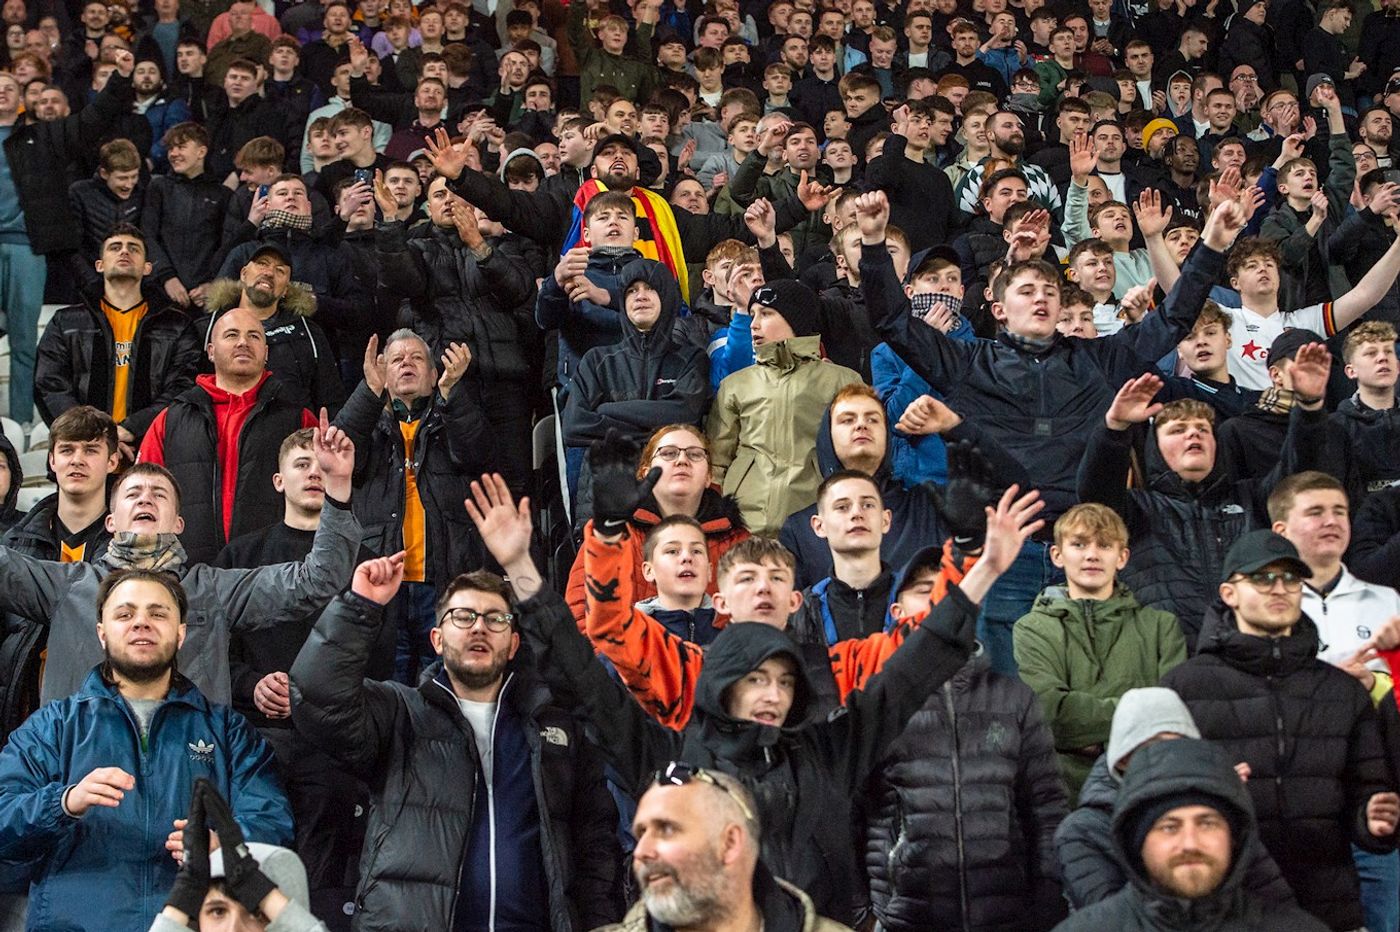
x: 657, y: 235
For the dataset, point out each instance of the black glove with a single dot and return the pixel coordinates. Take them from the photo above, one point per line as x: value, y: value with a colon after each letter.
x: 192, y: 881
x: 616, y: 492
x: 245, y: 881
x: 972, y: 486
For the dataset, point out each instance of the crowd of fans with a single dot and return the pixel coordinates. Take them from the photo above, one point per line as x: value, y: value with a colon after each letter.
x: 729, y: 466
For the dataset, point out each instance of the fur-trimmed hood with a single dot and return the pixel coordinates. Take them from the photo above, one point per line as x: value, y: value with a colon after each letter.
x: 224, y: 293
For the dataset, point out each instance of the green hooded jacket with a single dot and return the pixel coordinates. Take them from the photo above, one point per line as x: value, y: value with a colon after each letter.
x: 1080, y: 655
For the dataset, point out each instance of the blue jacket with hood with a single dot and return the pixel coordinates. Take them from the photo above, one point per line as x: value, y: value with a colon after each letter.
x: 188, y: 737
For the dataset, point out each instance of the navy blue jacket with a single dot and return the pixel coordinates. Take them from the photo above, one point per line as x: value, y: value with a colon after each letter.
x: 64, y: 741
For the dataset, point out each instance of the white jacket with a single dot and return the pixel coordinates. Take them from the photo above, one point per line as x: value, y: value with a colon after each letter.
x: 1349, y: 615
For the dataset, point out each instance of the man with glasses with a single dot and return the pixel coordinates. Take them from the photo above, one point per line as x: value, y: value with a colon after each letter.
x: 489, y: 805
x: 1244, y: 84
x: 1307, y: 730
x: 696, y: 860
x: 417, y: 439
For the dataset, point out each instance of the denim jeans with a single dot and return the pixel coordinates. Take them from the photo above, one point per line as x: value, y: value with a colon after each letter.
x: 1380, y: 889
x: 1010, y: 598
x: 22, y: 274
x: 414, y: 650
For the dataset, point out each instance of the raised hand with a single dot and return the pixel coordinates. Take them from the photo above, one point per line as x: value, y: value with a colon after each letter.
x: 359, y: 56
x: 383, y: 197
x: 455, y: 360
x: 192, y: 881
x: 448, y: 158
x: 1009, y: 525
x: 1083, y: 156
x: 243, y: 879
x: 1152, y: 216
x: 1309, y: 372
x: 1251, y: 199
x: 773, y: 138
x: 687, y: 153
x: 352, y: 198
x: 335, y: 454
x: 1137, y: 301
x: 571, y: 265
x: 812, y: 195
x: 872, y: 216
x: 1385, y: 198
x: 374, y: 367
x: 972, y: 487
x: 379, y: 579
x: 1224, y: 224
x: 762, y: 220
x: 617, y: 493
x: 1319, y: 205
x: 503, y: 526
x: 1133, y: 404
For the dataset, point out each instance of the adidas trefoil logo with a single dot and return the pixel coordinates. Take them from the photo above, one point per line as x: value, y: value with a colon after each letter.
x: 201, y: 752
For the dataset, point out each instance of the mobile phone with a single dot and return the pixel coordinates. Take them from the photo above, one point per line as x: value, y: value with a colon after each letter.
x: 263, y: 189
x: 364, y: 174
x: 1392, y: 176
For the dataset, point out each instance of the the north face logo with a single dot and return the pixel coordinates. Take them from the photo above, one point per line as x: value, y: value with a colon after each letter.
x: 201, y: 752
x: 555, y: 735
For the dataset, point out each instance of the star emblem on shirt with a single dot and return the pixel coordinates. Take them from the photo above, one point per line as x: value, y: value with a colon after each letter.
x: 1251, y: 350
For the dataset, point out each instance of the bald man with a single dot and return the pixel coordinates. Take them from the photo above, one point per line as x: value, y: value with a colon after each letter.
x: 696, y: 860
x: 220, y: 439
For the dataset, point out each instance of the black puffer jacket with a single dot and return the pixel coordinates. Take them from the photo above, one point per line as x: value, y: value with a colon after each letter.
x: 39, y: 153
x: 21, y: 640
x: 1248, y: 43
x: 417, y: 752
x: 1181, y: 530
x: 805, y: 774
x: 1091, y: 870
x: 964, y: 811
x: 96, y: 210
x: 76, y: 357
x: 1185, y: 766
x: 452, y: 446
x: 1312, y: 741
x: 455, y: 298
x: 298, y: 351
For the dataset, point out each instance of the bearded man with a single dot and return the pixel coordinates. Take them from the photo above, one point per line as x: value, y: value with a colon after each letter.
x: 96, y: 784
x: 489, y: 807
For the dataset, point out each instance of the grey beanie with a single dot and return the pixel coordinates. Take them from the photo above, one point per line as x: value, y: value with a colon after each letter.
x: 1141, y: 714
x: 281, y: 865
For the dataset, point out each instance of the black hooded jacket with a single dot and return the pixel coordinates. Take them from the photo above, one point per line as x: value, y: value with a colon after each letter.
x: 1366, y: 438
x: 1091, y: 870
x: 804, y: 774
x: 1312, y: 741
x: 1375, y: 539
x: 1169, y: 768
x: 1179, y: 530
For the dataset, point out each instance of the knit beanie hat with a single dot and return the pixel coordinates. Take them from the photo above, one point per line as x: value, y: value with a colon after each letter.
x: 1146, y: 816
x: 1141, y: 714
x: 795, y: 301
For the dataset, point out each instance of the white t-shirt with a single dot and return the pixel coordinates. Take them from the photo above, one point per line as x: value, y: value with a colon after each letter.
x: 1106, y: 320
x: 1117, y: 185
x: 1251, y: 336
x: 482, y: 717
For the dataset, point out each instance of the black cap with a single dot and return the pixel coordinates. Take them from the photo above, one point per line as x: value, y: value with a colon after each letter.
x: 795, y: 301
x: 275, y: 249
x: 1259, y: 549
x: 1392, y: 86
x: 926, y: 257
x: 611, y: 138
x: 1287, y: 344
x: 1317, y: 81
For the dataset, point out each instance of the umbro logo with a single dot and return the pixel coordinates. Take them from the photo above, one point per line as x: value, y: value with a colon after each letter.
x: 201, y: 752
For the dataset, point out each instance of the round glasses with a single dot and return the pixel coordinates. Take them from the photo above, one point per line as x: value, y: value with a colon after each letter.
x: 692, y: 454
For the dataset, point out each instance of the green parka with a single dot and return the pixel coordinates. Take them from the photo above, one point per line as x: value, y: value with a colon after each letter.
x: 1080, y: 655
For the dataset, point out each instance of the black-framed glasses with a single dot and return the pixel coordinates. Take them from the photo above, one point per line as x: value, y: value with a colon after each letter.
x: 669, y: 454
x: 1264, y: 580
x: 466, y: 619
x: 679, y: 773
